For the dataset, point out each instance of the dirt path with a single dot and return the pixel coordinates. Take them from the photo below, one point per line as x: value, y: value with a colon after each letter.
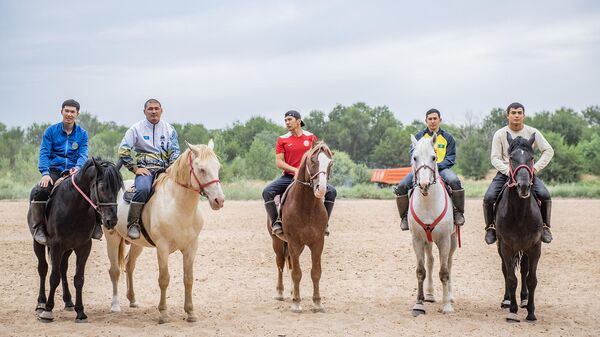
x: 368, y: 283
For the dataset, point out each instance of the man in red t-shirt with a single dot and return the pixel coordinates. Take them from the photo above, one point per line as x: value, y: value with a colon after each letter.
x: 289, y: 151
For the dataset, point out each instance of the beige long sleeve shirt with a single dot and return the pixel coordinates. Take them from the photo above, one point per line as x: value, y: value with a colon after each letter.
x: 500, y: 155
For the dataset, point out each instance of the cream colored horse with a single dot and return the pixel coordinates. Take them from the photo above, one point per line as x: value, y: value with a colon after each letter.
x: 173, y: 221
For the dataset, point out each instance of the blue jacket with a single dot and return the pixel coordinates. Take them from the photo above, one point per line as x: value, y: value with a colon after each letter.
x: 61, y: 151
x: 446, y: 147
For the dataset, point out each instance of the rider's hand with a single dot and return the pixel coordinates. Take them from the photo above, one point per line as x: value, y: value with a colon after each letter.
x: 142, y: 171
x: 45, y: 181
x: 73, y: 170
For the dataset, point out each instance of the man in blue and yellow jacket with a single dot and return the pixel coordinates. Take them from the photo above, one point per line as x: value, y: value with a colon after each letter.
x: 446, y: 157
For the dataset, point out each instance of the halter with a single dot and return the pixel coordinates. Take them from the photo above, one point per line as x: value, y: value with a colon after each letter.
x: 200, y: 189
x: 513, y: 173
x: 427, y: 167
x: 100, y: 204
x: 313, y: 176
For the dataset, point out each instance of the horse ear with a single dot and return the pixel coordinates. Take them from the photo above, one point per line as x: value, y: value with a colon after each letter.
x: 211, y: 144
x: 509, y: 137
x: 433, y: 138
x: 531, y: 139
x: 413, y: 140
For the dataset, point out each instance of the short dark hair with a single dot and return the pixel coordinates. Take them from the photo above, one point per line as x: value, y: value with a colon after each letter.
x: 433, y: 111
x: 70, y: 102
x: 151, y: 100
x: 515, y: 105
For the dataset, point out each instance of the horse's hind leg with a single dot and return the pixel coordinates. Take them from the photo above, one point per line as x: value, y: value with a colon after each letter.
x: 162, y: 253
x: 444, y: 248
x: 40, y: 252
x: 418, y: 246
x: 189, y: 254
x: 453, y: 245
x: 132, y: 256
x: 534, y: 257
x: 295, y: 251
x: 524, y: 288
x: 316, y: 251
x: 65, y: 283
x: 82, y: 255
x: 279, y: 247
x: 429, y: 297
x: 505, y: 304
x: 114, y: 245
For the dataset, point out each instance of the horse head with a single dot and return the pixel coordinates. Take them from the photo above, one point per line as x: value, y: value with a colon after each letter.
x: 204, y: 173
x: 521, y: 170
x: 318, y: 162
x: 424, y: 162
x: 105, y: 182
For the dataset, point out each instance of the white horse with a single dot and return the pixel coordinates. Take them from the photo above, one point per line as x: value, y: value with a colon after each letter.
x: 430, y: 219
x: 172, y: 220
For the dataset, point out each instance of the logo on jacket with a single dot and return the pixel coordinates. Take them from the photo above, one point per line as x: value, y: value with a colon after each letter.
x: 306, y: 143
x: 146, y: 137
x: 75, y: 146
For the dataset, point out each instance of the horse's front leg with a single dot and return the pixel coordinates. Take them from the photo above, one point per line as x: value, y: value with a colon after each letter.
x: 429, y: 297
x: 162, y: 253
x: 508, y: 257
x: 40, y: 252
x: 65, y: 283
x: 82, y: 255
x: 114, y: 245
x: 524, y: 287
x: 453, y: 246
x: 189, y: 254
x: 316, y: 251
x: 56, y: 254
x: 295, y: 251
x: 132, y: 256
x: 419, y: 248
x: 280, y: 257
x: 444, y: 249
x: 533, y: 259
x: 505, y: 304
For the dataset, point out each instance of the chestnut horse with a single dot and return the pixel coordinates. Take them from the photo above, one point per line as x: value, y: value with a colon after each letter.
x: 304, y: 219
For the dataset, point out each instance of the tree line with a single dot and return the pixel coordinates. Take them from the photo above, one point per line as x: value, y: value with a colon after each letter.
x: 363, y: 137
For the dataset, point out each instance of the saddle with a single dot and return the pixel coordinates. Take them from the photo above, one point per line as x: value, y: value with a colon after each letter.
x: 64, y: 175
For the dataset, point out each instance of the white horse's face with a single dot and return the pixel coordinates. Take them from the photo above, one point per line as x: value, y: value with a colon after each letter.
x: 424, y: 162
x: 207, y: 171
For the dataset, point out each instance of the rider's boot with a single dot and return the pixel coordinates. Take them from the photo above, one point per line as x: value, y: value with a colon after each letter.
x: 458, y: 200
x: 38, y: 217
x: 133, y: 220
x: 97, y: 233
x: 490, y: 227
x: 402, y: 204
x: 273, y: 214
x: 546, y: 212
x: 329, y: 208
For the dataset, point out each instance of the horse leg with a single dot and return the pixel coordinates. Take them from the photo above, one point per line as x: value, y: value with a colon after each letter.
x: 162, y: 253
x: 505, y: 304
x: 524, y: 287
x: 65, y: 283
x: 315, y: 273
x: 114, y: 245
x: 444, y: 250
x: 82, y: 255
x: 534, y: 257
x: 189, y: 254
x: 280, y: 255
x: 428, y: 274
x: 295, y: 251
x: 508, y: 257
x: 419, y: 248
x: 453, y: 245
x: 40, y: 252
x: 56, y: 254
x: 132, y: 256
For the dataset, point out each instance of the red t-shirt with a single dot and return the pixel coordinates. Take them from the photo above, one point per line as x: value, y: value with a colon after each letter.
x: 294, y: 147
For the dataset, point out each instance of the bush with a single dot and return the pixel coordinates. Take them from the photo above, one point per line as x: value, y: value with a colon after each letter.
x: 565, y: 165
x: 346, y: 173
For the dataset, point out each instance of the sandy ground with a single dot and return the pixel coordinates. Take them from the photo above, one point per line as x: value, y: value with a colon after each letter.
x: 368, y: 283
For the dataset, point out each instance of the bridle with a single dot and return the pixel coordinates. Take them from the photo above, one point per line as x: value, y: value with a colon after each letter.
x: 513, y: 173
x: 424, y: 166
x: 201, y: 187
x: 312, y: 177
x: 100, y: 204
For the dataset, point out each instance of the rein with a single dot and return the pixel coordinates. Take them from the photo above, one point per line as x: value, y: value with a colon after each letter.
x: 311, y: 177
x: 100, y: 204
x: 201, y: 188
x: 428, y: 228
x: 513, y: 173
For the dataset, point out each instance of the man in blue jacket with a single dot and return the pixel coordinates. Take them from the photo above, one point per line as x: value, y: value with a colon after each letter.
x: 64, y: 147
x: 446, y: 157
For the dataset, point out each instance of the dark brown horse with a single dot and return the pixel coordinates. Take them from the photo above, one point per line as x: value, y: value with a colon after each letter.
x: 519, y: 226
x: 304, y: 220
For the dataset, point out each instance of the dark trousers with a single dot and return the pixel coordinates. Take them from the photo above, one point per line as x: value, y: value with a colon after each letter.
x: 278, y: 186
x: 39, y: 193
x: 500, y: 179
x: 449, y: 177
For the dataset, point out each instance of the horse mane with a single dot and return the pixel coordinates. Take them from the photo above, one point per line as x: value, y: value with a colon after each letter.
x: 180, y: 168
x: 520, y: 143
x: 110, y: 173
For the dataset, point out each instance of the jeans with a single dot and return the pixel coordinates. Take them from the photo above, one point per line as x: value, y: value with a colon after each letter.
x: 500, y: 179
x: 278, y: 186
x: 143, y: 188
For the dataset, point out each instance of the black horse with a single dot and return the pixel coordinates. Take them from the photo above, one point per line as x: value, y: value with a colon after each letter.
x: 70, y: 220
x: 519, y: 227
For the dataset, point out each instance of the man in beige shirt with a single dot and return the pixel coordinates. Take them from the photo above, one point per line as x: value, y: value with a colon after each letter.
x: 500, y: 159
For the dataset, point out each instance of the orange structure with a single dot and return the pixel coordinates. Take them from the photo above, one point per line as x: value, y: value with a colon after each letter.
x: 389, y: 176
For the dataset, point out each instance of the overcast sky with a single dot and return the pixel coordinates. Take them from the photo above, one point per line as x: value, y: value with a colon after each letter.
x: 215, y: 62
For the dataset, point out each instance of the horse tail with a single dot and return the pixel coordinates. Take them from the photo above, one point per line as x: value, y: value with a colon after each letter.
x: 121, y: 259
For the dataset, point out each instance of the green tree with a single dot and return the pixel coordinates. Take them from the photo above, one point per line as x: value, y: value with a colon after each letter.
x: 260, y: 159
x: 565, y: 122
x: 592, y: 115
x: 473, y: 156
x: 566, y: 165
x: 393, y: 149
x: 590, y: 155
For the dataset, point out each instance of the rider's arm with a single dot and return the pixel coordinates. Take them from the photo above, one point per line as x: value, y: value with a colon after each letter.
x: 496, y: 155
x: 281, y: 164
x: 82, y: 150
x: 547, y: 152
x: 450, y: 157
x: 173, y: 147
x: 45, y: 149
x: 125, y: 150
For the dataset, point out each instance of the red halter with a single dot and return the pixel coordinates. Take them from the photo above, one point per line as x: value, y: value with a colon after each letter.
x: 428, y: 228
x: 87, y: 198
x: 193, y: 174
x: 513, y: 173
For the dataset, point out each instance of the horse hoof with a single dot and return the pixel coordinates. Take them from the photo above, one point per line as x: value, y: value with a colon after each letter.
x: 418, y: 309
x: 46, y: 316
x: 512, y: 318
x: 40, y: 307
x: 133, y: 305
x: 524, y: 303
x: 162, y: 320
x: 81, y: 320
x: 115, y: 308
x: 69, y: 308
x: 279, y: 298
x: 429, y: 298
x: 192, y: 319
x: 296, y: 308
x: 317, y: 309
x: 505, y: 304
x: 531, y: 318
x: 446, y: 309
